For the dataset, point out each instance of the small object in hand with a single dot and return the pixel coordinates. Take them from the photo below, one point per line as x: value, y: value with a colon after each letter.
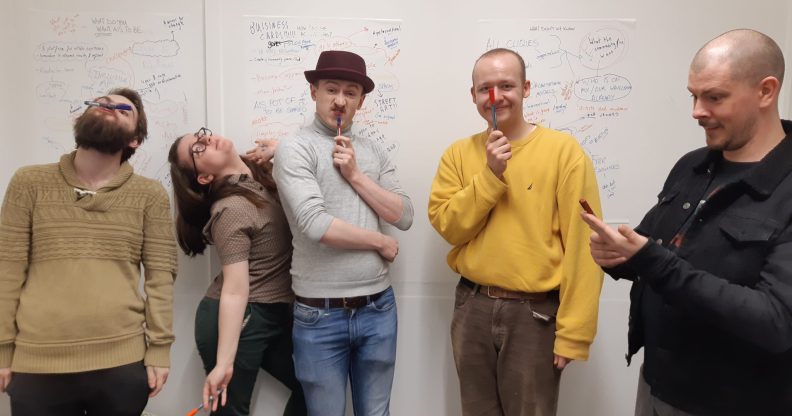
x: 586, y: 206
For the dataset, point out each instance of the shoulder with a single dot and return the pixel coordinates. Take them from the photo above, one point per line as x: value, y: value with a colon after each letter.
x: 149, y: 187
x: 232, y: 203
x: 467, y: 144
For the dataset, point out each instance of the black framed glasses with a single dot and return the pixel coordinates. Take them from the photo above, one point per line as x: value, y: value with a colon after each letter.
x: 199, y: 146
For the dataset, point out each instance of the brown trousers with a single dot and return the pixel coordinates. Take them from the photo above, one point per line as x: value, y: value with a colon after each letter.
x: 504, y: 356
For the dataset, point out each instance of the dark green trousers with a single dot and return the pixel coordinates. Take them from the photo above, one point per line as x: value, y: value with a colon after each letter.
x: 265, y: 343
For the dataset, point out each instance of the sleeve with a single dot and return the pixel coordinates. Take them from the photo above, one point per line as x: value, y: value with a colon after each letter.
x: 581, y: 277
x: 159, y: 262
x: 15, y: 234
x: 390, y: 183
x: 760, y: 315
x: 232, y: 226
x: 295, y: 174
x: 459, y: 211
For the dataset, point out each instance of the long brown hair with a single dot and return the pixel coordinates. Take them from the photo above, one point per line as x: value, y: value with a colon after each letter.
x: 194, y: 201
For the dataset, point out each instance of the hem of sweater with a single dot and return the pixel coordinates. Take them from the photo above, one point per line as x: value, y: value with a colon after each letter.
x: 576, y: 350
x: 308, y: 288
x: 76, y: 358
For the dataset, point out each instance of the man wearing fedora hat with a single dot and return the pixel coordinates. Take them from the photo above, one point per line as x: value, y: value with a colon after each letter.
x: 336, y: 188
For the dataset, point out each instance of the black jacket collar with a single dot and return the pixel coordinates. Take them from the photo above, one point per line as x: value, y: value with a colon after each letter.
x: 766, y: 176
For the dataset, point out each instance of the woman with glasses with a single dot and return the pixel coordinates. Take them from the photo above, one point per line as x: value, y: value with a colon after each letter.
x: 244, y: 321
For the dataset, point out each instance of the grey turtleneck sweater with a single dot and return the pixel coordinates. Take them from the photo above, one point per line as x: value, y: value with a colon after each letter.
x: 313, y: 193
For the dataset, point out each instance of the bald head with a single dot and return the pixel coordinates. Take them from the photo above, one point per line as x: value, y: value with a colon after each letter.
x: 749, y: 55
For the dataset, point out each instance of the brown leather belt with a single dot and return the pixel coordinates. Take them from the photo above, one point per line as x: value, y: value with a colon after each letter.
x: 347, y: 303
x: 495, y: 292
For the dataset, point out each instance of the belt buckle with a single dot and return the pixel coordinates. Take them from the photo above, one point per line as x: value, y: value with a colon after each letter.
x: 490, y: 295
x: 345, y: 304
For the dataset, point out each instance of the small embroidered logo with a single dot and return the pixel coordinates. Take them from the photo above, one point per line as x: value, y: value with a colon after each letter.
x: 530, y: 186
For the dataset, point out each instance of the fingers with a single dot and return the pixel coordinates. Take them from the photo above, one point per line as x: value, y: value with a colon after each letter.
x: 160, y: 376
x: 5, y: 379
x: 343, y: 142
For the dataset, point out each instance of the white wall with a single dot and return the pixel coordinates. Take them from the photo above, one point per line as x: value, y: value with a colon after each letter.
x: 436, y: 110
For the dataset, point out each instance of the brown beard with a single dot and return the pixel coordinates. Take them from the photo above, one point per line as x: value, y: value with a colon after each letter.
x: 92, y: 130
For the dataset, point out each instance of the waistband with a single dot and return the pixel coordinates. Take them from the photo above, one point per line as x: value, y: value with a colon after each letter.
x: 495, y: 292
x: 347, y: 303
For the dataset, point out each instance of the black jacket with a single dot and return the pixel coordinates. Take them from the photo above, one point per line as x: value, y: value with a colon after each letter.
x: 711, y: 301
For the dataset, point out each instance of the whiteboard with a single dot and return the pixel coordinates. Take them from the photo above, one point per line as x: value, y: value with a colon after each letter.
x: 279, y: 49
x: 77, y: 56
x: 581, y: 74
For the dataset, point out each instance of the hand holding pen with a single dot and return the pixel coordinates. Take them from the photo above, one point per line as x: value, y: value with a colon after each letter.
x: 209, y: 406
x: 492, y: 106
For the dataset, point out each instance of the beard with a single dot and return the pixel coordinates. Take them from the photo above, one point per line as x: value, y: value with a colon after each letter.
x: 93, y: 130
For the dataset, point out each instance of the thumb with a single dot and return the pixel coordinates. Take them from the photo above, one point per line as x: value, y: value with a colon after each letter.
x: 627, y: 232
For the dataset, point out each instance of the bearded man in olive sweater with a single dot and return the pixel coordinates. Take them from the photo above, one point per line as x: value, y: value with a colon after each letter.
x: 76, y: 335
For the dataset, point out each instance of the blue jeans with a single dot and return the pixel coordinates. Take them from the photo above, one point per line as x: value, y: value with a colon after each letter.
x: 331, y: 344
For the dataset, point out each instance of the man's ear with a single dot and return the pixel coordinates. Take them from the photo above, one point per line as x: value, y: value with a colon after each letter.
x: 205, y: 178
x: 134, y: 144
x: 360, y: 104
x: 768, y: 91
x: 473, y: 95
x: 526, y: 88
x: 313, y: 91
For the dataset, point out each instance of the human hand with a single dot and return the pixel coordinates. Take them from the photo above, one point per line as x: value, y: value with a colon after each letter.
x: 157, y: 376
x: 216, y: 385
x: 498, y: 152
x: 611, y: 247
x: 263, y: 152
x: 5, y: 379
x: 388, y: 248
x: 561, y: 362
x: 344, y: 157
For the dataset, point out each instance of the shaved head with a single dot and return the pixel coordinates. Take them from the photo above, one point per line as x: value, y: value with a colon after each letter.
x: 749, y: 55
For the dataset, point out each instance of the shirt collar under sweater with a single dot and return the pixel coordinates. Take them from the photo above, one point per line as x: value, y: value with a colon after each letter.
x: 104, y: 197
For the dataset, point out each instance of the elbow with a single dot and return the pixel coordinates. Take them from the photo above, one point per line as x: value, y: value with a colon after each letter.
x: 403, y: 220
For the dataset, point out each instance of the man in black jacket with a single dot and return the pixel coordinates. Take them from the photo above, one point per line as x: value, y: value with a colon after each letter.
x: 711, y: 263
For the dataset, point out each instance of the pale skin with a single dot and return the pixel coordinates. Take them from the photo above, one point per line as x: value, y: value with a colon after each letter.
x: 339, y: 98
x: 263, y: 152
x: 502, y: 73
x: 236, y: 280
x: 95, y: 170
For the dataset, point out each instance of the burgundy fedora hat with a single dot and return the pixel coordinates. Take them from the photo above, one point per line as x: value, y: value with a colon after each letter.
x: 343, y: 65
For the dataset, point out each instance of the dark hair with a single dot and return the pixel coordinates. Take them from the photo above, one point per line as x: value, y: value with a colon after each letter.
x: 194, y: 201
x: 141, y: 130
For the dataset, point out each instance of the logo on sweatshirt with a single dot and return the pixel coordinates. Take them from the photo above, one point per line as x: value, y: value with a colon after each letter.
x: 530, y: 186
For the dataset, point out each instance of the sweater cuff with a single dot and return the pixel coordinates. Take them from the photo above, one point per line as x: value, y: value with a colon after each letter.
x: 576, y: 350
x: 6, y: 355
x: 157, y: 356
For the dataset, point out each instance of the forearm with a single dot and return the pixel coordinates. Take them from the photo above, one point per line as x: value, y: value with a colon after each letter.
x: 459, y: 213
x: 759, y: 314
x: 344, y: 235
x: 233, y: 302
x: 386, y: 204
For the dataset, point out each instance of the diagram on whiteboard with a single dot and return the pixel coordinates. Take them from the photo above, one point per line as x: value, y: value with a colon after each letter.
x: 279, y: 49
x: 581, y: 82
x: 79, y: 56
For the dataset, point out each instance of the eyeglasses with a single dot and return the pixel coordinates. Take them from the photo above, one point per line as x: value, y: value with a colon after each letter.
x: 200, y: 145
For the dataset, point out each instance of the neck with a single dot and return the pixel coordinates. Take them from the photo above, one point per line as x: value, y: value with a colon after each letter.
x: 237, y: 167
x: 95, y: 169
x: 517, y: 131
x: 767, y: 136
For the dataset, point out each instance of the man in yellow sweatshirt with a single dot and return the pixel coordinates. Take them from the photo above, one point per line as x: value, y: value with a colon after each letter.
x: 76, y: 336
x: 507, y: 199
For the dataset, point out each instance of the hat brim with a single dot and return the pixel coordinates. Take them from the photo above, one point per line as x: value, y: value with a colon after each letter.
x: 340, y: 73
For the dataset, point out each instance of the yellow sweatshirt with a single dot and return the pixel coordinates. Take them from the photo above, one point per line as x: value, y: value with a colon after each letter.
x: 70, y: 268
x: 524, y: 233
